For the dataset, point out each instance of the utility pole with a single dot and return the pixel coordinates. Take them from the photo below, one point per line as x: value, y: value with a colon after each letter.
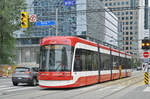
x: 56, y: 21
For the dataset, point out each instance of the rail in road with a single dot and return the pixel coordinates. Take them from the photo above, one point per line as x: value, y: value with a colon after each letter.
x: 97, y: 91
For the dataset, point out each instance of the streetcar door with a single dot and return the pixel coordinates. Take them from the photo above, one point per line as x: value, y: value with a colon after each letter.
x: 79, y: 63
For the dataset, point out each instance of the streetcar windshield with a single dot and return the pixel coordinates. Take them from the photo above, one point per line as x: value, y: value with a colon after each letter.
x: 56, y: 58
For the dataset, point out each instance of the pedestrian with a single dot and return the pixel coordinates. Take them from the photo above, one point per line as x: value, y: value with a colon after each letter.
x: 6, y: 73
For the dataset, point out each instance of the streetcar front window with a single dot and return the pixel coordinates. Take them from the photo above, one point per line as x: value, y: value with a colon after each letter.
x: 56, y: 58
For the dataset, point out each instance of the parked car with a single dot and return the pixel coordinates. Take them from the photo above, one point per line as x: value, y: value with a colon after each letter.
x: 139, y: 68
x: 25, y: 75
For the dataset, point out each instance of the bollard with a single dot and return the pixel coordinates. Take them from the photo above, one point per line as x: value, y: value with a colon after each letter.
x: 146, y: 78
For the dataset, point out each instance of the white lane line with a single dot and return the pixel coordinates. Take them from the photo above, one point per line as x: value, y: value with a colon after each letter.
x: 3, y: 86
x: 20, y: 89
x: 8, y: 88
x: 147, y: 89
x: 105, y: 88
x: 119, y: 88
x: 6, y: 83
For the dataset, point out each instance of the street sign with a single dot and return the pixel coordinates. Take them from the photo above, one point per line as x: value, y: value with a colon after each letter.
x: 45, y: 23
x: 69, y: 2
x: 33, y: 18
x: 146, y: 54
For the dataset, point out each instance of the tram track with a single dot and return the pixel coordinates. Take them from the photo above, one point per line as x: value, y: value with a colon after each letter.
x: 130, y: 81
x: 39, y: 93
x: 124, y: 81
x: 129, y: 85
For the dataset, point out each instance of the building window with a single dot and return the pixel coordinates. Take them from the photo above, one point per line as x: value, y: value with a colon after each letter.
x: 126, y: 48
x: 118, y: 13
x: 131, y: 13
x: 131, y: 22
x: 127, y: 3
x: 131, y: 38
x: 130, y: 27
x: 126, y: 13
x: 122, y: 3
x: 118, y: 3
x: 110, y: 4
x: 114, y: 3
x: 126, y: 18
x: 131, y: 33
x: 127, y: 43
x: 122, y: 18
x: 135, y: 27
x: 105, y: 4
x: 126, y: 28
x: 122, y: 13
x: 135, y: 22
x: 131, y: 17
x: 127, y: 33
x: 126, y: 23
x: 126, y: 38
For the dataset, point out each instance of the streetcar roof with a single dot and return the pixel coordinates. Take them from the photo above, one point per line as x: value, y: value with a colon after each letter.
x: 72, y: 40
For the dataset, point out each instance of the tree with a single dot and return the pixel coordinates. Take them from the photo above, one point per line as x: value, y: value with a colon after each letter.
x: 9, y: 22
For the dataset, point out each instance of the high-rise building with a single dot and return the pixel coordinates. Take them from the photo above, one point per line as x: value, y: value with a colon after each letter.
x: 149, y: 19
x: 83, y: 17
x: 146, y: 15
x: 130, y: 16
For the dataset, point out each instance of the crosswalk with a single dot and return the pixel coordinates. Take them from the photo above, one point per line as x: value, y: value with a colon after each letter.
x: 11, y: 88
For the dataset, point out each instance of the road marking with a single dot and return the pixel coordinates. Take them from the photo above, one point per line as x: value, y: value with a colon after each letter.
x: 119, y: 88
x: 20, y: 89
x: 8, y: 87
x: 3, y: 86
x: 6, y: 83
x: 147, y: 89
x: 102, y: 89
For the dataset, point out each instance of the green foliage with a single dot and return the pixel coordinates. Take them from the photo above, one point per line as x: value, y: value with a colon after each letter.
x: 135, y: 63
x: 9, y: 22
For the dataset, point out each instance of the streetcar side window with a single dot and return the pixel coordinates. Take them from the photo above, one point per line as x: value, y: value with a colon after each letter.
x: 85, y: 60
x: 78, y: 61
x: 115, y: 62
x: 105, y: 61
x: 89, y: 60
x: 95, y: 60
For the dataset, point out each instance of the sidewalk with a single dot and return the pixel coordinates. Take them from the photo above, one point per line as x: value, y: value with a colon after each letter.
x: 4, y: 77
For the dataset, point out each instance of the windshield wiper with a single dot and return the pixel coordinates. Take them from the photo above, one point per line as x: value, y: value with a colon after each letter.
x: 61, y: 69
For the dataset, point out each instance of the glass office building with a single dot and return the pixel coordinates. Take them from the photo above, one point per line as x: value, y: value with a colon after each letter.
x: 128, y: 16
x: 83, y: 17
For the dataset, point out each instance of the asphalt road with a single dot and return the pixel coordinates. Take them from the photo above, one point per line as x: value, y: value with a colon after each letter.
x: 127, y: 88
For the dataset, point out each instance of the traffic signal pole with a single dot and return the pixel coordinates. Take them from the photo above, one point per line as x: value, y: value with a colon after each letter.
x: 145, y: 44
x: 146, y: 47
x: 56, y: 21
x: 24, y: 19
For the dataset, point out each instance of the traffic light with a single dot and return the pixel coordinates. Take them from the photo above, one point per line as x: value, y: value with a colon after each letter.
x: 146, y: 44
x: 24, y: 19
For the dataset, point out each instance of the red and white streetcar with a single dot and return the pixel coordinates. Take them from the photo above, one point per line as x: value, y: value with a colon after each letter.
x: 69, y: 61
